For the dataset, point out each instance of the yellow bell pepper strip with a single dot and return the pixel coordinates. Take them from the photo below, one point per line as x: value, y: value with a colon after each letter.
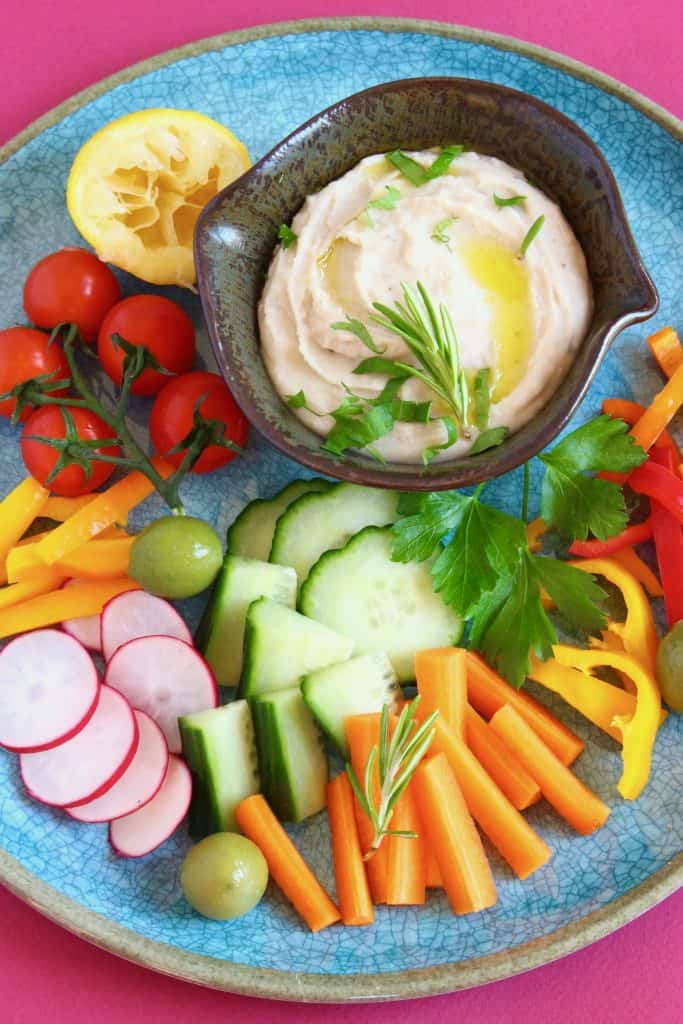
x: 609, y: 641
x: 633, y: 563
x: 42, y: 582
x: 106, y: 509
x: 84, y: 598
x: 17, y: 512
x: 638, y: 731
x: 534, y: 531
x: 638, y: 632
x: 667, y: 350
x: 61, y: 509
x: 96, y: 560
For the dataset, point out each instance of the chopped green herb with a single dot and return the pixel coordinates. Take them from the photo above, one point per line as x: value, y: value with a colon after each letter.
x: 482, y: 398
x: 443, y: 161
x: 359, y: 431
x: 297, y: 401
x: 531, y: 234
x: 451, y: 437
x: 490, y: 438
x: 387, y: 202
x: 439, y: 232
x: 286, y: 236
x: 509, y: 201
x: 415, y: 172
x: 358, y: 328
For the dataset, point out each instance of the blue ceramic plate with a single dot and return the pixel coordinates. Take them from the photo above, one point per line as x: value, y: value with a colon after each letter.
x: 263, y: 83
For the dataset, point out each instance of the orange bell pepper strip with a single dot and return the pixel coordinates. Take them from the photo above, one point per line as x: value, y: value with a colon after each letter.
x: 534, y: 531
x: 667, y: 350
x: 631, y: 412
x: 17, y: 511
x: 638, y: 632
x: 44, y: 581
x: 638, y: 731
x: 106, y: 509
x: 84, y: 598
x: 660, y: 412
x: 96, y: 560
x: 61, y: 509
x: 633, y: 563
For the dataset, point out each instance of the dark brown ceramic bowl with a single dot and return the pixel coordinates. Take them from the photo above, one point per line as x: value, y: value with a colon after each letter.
x: 237, y: 233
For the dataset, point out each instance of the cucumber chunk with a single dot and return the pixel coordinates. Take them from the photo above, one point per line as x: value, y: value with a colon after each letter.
x: 316, y: 523
x: 281, y: 646
x: 220, y: 750
x: 291, y: 756
x: 220, y: 636
x: 383, y: 605
x: 356, y: 687
x: 251, y: 534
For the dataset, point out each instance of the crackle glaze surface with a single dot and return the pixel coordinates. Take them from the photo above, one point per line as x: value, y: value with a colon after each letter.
x: 263, y: 89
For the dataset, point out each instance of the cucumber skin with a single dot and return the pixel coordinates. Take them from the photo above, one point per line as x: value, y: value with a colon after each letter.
x: 315, y: 485
x: 203, y: 818
x: 206, y: 624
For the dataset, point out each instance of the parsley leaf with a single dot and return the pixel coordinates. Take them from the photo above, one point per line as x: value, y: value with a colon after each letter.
x: 297, y: 401
x: 531, y: 234
x: 387, y: 202
x: 359, y: 431
x: 490, y: 438
x: 427, y: 518
x: 358, y: 328
x: 574, y: 592
x: 510, y: 201
x: 576, y: 504
x: 286, y: 236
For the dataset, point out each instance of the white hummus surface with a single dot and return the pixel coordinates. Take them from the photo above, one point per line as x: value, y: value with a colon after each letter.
x: 522, y: 317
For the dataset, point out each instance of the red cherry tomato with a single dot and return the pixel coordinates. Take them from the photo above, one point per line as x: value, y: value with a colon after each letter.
x: 74, y: 285
x: 158, y: 324
x: 40, y: 458
x: 172, y: 417
x: 24, y: 353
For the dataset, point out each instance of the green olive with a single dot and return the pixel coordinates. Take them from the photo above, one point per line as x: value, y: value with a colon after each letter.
x: 670, y: 667
x: 176, y: 556
x: 224, y: 876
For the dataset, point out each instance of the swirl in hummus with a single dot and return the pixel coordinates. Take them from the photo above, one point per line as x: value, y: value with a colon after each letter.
x: 521, y: 314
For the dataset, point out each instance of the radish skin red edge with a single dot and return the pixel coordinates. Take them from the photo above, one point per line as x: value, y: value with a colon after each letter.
x: 136, y: 615
x: 46, y: 676
x: 141, y: 781
x: 139, y: 833
x: 166, y: 677
x: 88, y: 764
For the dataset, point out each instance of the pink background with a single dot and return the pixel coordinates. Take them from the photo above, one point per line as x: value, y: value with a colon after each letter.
x: 50, y: 49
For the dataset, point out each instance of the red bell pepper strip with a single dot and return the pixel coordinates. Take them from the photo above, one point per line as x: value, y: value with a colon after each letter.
x: 656, y: 481
x: 668, y: 536
x: 636, y: 534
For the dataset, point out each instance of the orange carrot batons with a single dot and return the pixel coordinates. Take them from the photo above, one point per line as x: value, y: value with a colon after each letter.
x: 441, y: 675
x: 353, y: 891
x: 362, y: 733
x: 487, y: 691
x: 571, y: 799
x: 286, y: 865
x: 407, y: 858
x: 500, y: 763
x: 454, y: 838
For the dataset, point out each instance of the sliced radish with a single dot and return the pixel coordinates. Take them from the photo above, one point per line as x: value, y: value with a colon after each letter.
x: 166, y: 678
x: 136, y: 614
x: 88, y: 764
x: 138, y: 784
x: 141, y: 832
x: 85, y: 629
x: 48, y: 690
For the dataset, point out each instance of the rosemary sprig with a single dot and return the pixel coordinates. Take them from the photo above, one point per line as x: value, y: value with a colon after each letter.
x: 431, y: 338
x: 396, y: 759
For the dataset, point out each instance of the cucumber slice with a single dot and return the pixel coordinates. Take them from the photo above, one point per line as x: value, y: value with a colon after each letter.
x: 356, y: 687
x: 251, y: 534
x: 316, y: 523
x: 291, y: 756
x: 220, y: 750
x: 281, y: 646
x: 383, y: 605
x: 220, y: 636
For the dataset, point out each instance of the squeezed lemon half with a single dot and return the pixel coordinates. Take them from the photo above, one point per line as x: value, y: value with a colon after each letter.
x: 137, y: 187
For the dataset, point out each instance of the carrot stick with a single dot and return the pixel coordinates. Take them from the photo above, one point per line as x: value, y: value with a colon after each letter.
x: 441, y: 675
x: 660, y: 412
x: 512, y: 836
x: 97, y: 560
x: 433, y: 872
x: 631, y: 412
x: 44, y: 582
x: 353, y: 891
x: 500, y: 763
x: 85, y: 598
x: 667, y: 350
x: 104, y: 510
x: 407, y: 859
x: 17, y: 512
x: 362, y: 734
x: 454, y: 838
x: 487, y: 692
x: 577, y: 804
x: 634, y: 564
x: 286, y: 865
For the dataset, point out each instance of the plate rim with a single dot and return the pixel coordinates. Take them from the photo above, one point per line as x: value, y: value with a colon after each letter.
x: 332, y: 988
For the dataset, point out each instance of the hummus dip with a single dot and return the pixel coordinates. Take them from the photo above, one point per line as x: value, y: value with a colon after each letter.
x: 521, y: 316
